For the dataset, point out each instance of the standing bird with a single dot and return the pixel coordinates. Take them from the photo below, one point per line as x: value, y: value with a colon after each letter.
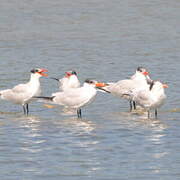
x: 151, y: 98
x: 22, y: 94
x: 139, y: 81
x: 70, y: 80
x: 76, y: 98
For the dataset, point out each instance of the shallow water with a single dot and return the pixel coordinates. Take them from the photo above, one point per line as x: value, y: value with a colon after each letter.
x: 100, y: 39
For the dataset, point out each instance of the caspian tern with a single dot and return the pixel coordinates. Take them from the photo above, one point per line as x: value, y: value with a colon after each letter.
x: 70, y: 80
x: 76, y: 98
x: 139, y: 81
x: 151, y: 98
x: 22, y: 94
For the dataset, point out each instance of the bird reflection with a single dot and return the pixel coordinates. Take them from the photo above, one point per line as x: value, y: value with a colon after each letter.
x: 79, y: 125
x: 157, y: 141
x: 30, y: 122
x: 158, y: 132
x: 31, y: 137
x: 82, y: 140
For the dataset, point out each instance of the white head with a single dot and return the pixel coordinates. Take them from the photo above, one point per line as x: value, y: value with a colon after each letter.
x: 141, y: 74
x: 157, y: 86
x: 94, y: 83
x: 70, y: 80
x: 73, y: 81
x: 37, y: 72
x: 142, y: 70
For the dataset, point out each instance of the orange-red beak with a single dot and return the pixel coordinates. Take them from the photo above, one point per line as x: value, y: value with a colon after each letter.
x: 101, y: 84
x: 68, y: 74
x: 165, y: 86
x: 41, y: 72
x: 145, y: 73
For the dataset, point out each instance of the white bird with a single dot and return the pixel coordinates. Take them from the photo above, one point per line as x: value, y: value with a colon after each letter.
x: 151, y: 98
x: 22, y: 94
x: 70, y: 80
x: 76, y: 98
x: 139, y: 81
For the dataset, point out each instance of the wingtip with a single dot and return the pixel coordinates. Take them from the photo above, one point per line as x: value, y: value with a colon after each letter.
x: 54, y: 78
x: 44, y: 97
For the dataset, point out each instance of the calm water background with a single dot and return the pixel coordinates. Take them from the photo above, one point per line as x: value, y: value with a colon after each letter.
x: 100, y: 39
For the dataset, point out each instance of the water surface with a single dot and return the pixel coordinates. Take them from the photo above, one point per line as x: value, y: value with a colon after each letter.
x: 100, y: 39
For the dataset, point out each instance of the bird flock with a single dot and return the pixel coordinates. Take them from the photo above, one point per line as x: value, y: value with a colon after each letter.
x: 139, y: 90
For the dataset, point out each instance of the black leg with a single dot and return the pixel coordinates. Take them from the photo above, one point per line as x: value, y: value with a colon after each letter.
x: 156, y: 113
x: 79, y: 113
x: 27, y: 109
x: 24, y: 109
x: 148, y: 114
x: 130, y: 103
x: 134, y: 104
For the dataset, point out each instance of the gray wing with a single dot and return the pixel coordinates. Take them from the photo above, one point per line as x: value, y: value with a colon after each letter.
x: 121, y: 87
x: 21, y: 88
x: 17, y: 95
x: 143, y: 98
x: 72, y: 98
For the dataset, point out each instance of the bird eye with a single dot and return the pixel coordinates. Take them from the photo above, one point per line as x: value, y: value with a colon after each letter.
x: 89, y: 81
x: 74, y: 72
x: 140, y: 69
x: 32, y: 71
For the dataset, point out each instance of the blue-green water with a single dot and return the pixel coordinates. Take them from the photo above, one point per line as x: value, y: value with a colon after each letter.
x: 100, y: 39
